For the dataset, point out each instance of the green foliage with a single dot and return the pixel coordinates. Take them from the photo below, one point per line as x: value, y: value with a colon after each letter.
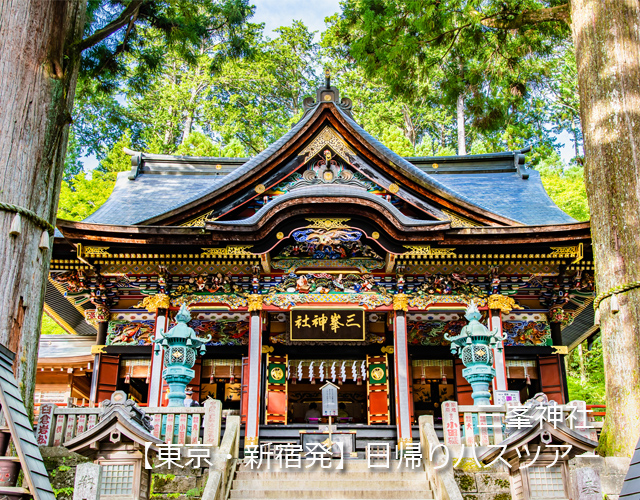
x: 84, y: 196
x: 587, y: 383
x: 195, y: 492
x: 50, y: 327
x: 72, y: 163
x: 566, y: 188
x: 116, y: 159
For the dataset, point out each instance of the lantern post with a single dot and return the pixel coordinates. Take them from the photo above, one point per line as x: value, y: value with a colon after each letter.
x: 181, y: 346
x: 475, y: 345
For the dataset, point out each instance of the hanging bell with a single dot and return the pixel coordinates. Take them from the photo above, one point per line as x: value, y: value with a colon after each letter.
x: 423, y: 379
x: 615, y: 307
x: 469, y: 340
x: 189, y: 342
x: 596, y: 319
x: 444, y: 379
x: 294, y: 378
x: 16, y: 226
x: 359, y: 380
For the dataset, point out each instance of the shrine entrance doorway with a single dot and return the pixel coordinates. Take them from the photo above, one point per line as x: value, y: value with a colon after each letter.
x: 292, y: 386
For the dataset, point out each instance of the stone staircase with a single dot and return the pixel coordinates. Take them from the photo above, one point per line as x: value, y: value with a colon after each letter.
x: 356, y: 481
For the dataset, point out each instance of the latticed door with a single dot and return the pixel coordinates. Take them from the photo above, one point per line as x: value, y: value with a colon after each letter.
x: 276, y: 393
x: 378, y: 390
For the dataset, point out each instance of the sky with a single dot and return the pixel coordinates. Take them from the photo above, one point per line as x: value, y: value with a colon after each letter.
x: 276, y: 13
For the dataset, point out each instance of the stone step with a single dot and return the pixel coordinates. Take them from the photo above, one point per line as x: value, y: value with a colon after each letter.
x: 330, y: 475
x: 347, y: 483
x: 348, y: 465
x: 325, y: 494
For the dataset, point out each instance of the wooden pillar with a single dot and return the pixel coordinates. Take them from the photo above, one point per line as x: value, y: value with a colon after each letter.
x: 254, y: 369
x: 101, y: 340
x: 556, y: 338
x: 403, y: 378
x: 157, y: 362
x: 499, y: 360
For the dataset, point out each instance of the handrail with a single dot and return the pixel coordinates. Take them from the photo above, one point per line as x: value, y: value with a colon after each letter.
x: 224, y: 463
x: 442, y: 481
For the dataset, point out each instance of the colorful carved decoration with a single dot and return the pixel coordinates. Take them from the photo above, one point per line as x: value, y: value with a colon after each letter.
x: 326, y: 170
x: 218, y: 283
x: 526, y: 333
x: 323, y: 283
x: 130, y: 333
x: 425, y: 301
x: 328, y: 138
x: 427, y: 251
x: 228, y: 252
x: 287, y: 300
x: 431, y: 333
x: 223, y: 332
x: 254, y: 302
x: 73, y: 281
x: 401, y: 302
x: 503, y: 303
x: 233, y: 301
x: 559, y: 315
x: 448, y: 284
x: 154, y: 302
x: 322, y: 247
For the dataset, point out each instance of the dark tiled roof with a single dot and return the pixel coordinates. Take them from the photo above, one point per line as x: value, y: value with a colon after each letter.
x: 502, y: 191
x: 509, y: 195
x: 22, y: 434
x: 154, y: 195
x: 59, y: 303
x: 134, y: 201
x: 581, y: 325
x: 631, y: 485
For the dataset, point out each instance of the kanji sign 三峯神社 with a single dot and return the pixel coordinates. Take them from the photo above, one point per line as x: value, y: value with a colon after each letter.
x: 323, y: 324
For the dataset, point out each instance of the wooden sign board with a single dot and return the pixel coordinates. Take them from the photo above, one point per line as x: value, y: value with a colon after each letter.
x: 340, y: 325
x: 329, y: 400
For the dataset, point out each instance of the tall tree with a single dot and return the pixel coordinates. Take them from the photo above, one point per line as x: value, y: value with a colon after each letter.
x: 503, y: 44
x: 45, y: 44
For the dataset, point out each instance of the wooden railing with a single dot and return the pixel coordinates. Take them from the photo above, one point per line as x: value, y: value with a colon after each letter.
x: 224, y: 463
x: 56, y: 425
x: 483, y: 425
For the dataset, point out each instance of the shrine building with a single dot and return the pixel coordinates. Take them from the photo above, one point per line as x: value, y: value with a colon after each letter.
x: 326, y: 257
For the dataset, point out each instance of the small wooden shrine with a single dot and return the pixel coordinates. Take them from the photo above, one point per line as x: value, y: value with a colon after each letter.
x: 326, y: 257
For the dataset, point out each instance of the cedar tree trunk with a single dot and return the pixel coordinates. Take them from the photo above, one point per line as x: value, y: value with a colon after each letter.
x: 36, y: 96
x: 607, y: 42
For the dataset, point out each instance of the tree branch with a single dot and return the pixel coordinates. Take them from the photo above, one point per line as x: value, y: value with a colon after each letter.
x: 551, y: 14
x: 124, y: 18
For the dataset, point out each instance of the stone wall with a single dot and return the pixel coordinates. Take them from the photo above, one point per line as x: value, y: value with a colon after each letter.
x: 477, y: 483
x: 61, y: 466
x: 611, y: 471
x: 175, y: 483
